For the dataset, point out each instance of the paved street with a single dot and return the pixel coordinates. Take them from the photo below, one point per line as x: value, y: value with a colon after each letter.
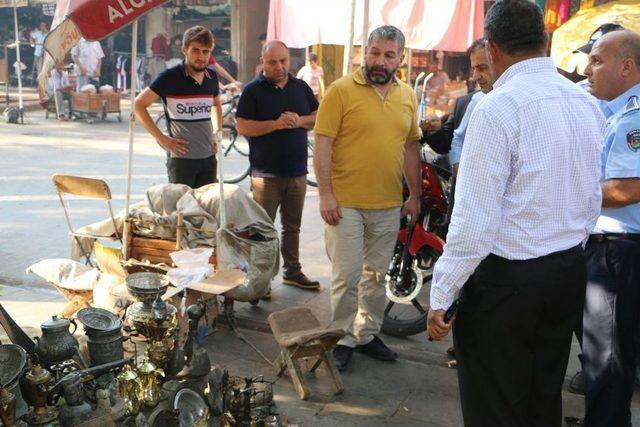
x: 419, y: 389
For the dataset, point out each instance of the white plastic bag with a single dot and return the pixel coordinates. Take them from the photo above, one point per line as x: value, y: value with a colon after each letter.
x: 193, y: 266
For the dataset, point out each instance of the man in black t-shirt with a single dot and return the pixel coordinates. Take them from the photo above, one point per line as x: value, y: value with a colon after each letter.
x: 275, y: 112
x: 189, y: 92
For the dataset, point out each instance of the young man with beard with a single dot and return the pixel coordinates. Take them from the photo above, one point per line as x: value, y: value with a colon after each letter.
x: 275, y: 112
x: 528, y: 194
x: 189, y: 92
x: 366, y: 137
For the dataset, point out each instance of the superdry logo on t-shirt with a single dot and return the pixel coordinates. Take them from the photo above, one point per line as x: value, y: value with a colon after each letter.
x: 189, y: 107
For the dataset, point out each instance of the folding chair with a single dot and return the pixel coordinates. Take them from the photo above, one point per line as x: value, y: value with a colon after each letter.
x: 86, y: 188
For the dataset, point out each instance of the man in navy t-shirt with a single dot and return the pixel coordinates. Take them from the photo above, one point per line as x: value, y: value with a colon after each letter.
x: 275, y: 112
x: 189, y: 92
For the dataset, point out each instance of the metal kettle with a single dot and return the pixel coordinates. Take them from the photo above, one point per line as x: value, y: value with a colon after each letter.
x: 57, y: 344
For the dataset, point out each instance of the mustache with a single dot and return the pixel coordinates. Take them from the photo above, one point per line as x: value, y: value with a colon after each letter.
x: 378, y: 68
x: 374, y: 71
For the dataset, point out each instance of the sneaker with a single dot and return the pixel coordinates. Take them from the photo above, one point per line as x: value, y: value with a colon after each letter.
x: 342, y: 354
x: 301, y: 281
x: 378, y: 350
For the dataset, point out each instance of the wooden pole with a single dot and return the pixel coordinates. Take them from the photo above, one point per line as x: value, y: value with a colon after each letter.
x: 365, y: 28
x: 348, y: 49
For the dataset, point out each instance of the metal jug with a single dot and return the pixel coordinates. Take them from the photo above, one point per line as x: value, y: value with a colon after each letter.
x: 57, y: 344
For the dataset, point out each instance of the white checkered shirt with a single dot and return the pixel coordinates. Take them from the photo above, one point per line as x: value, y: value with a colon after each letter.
x: 529, y: 178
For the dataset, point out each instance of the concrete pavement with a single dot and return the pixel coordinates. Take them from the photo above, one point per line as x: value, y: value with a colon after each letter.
x: 419, y: 389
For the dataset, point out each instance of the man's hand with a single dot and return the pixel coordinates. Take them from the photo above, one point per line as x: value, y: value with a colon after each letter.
x: 329, y: 209
x: 285, y: 121
x: 411, y: 207
x: 175, y: 146
x: 295, y: 119
x: 83, y: 71
x: 431, y: 123
x: 436, y: 328
x: 96, y: 73
x: 214, y: 144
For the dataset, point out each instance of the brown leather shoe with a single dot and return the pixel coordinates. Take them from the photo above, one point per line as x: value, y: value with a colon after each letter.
x: 301, y: 281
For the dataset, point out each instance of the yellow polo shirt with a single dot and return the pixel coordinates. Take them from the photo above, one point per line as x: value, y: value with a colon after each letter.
x: 370, y: 133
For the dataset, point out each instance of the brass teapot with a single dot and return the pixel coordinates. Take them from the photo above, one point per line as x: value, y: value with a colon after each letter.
x: 129, y: 390
x: 149, y: 382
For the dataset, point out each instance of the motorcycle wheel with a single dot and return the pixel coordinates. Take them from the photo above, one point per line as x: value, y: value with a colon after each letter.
x: 402, y: 319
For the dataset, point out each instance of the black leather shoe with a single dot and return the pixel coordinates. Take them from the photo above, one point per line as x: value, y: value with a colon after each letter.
x: 378, y: 350
x: 342, y: 354
x: 573, y: 421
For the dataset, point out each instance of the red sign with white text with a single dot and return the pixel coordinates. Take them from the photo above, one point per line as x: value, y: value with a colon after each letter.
x: 97, y: 19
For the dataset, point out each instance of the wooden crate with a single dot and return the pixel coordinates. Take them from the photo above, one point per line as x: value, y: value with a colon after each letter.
x: 95, y: 103
x: 156, y: 250
x: 113, y: 102
x: 86, y: 102
x: 153, y: 250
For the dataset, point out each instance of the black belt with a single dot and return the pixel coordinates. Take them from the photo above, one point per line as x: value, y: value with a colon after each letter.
x: 599, y: 238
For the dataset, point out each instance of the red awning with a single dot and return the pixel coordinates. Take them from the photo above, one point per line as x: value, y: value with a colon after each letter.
x: 91, y: 19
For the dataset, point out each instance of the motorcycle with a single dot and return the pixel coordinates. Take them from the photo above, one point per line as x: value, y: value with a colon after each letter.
x: 416, y: 251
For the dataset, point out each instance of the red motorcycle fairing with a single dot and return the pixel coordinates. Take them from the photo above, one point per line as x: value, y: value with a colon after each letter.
x: 421, y: 238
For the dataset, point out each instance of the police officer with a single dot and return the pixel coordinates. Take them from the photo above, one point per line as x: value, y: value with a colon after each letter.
x: 612, y: 303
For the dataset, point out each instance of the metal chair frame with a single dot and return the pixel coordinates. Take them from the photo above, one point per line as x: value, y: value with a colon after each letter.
x: 87, y: 188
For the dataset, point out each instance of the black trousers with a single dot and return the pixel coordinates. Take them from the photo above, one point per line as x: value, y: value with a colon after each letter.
x: 610, y: 340
x: 192, y: 172
x: 512, y: 337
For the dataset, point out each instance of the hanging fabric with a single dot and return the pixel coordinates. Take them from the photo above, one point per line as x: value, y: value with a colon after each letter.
x: 556, y: 13
x: 121, y: 74
x: 140, y: 61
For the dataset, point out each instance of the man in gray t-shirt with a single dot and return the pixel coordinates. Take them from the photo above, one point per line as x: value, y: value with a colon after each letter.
x: 189, y: 92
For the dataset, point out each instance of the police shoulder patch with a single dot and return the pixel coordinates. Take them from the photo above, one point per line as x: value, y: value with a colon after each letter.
x: 633, y: 140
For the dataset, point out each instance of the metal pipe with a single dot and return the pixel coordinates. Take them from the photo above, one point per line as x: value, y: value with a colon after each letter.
x: 18, y: 67
x: 132, y: 126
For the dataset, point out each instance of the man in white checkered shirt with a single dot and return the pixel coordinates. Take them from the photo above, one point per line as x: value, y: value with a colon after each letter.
x: 528, y: 195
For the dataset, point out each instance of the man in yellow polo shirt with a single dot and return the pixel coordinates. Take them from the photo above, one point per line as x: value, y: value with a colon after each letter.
x: 366, y: 136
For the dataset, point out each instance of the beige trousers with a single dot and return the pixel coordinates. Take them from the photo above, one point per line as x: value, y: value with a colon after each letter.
x: 360, y: 248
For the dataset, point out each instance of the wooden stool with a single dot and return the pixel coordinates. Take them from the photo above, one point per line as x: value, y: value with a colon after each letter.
x: 300, y: 335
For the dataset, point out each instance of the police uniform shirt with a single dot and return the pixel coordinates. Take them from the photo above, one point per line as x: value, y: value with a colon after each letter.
x: 621, y: 159
x: 187, y: 107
